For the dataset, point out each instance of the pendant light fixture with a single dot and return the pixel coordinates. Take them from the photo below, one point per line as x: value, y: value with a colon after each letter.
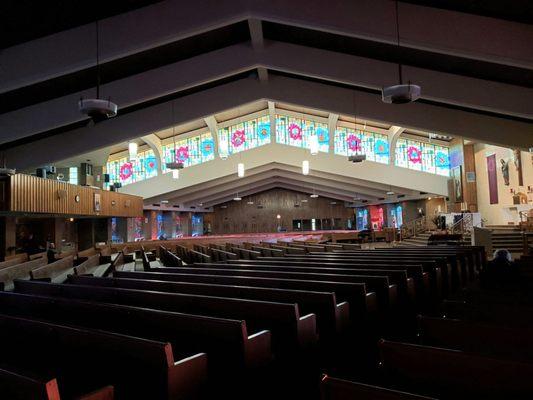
x: 314, y: 195
x: 240, y: 170
x: 305, y: 167
x: 132, y: 151
x: 401, y: 93
x: 313, y: 144
x: 237, y: 197
x: 175, y: 165
x: 97, y: 109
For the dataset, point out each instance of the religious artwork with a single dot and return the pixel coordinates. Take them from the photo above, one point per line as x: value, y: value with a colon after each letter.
x: 517, y: 159
x: 493, y: 179
x: 354, y: 143
x: 295, y: 132
x: 126, y: 171
x: 457, y: 184
x: 238, y: 138
x: 97, y: 204
x: 505, y: 171
x: 298, y: 132
x: 182, y: 154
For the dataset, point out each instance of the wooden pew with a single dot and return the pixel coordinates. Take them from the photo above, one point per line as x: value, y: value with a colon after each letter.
x: 340, y: 389
x: 91, y: 251
x: 226, y: 341
x: 454, y: 374
x: 405, y: 285
x: 168, y: 258
x: 387, y: 294
x: 93, y: 266
x: 332, y: 317
x: 245, y: 254
x: 17, y: 384
x: 18, y: 259
x: 55, y: 272
x: 267, y: 252
x: 291, y: 331
x: 361, y: 302
x: 19, y: 271
x: 218, y: 255
x: 475, y: 337
x: 83, y: 360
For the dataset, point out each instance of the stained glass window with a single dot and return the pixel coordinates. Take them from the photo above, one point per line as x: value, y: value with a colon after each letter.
x: 244, y: 136
x: 298, y: 132
x: 350, y: 142
x: 124, y: 171
x: 190, y: 151
x: 422, y: 156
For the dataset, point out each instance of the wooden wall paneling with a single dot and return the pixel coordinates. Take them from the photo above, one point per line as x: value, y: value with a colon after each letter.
x: 30, y: 194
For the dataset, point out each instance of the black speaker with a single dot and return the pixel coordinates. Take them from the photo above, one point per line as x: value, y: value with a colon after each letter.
x: 41, y: 172
x: 106, y: 178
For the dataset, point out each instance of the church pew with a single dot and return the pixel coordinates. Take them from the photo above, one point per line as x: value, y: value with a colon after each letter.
x: 226, y: 341
x: 168, y: 258
x: 94, y: 265
x: 406, y: 289
x: 285, y: 249
x: 267, y: 251
x: 454, y: 374
x: 427, y: 274
x: 245, y: 254
x: 475, y: 337
x: 340, y: 389
x: 18, y: 384
x: 387, y: 293
x: 332, y: 317
x: 362, y: 303
x: 291, y: 331
x: 84, y: 360
x: 19, y: 271
x: 218, y: 255
x: 18, y: 259
x: 56, y: 272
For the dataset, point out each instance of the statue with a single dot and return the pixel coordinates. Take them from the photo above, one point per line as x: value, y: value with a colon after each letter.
x: 517, y: 158
x: 505, y: 171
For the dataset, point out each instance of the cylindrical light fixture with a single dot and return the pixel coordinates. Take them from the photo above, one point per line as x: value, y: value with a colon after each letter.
x: 305, y: 167
x: 313, y: 145
x: 240, y: 170
x: 175, y: 174
x: 132, y: 150
x: 223, y: 149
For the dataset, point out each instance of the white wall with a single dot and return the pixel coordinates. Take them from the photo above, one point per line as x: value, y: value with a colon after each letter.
x: 495, y: 214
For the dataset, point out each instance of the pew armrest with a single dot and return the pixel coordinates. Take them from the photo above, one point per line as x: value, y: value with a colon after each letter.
x: 342, y: 317
x: 258, y: 349
x: 371, y: 300
x: 307, y: 331
x: 187, y: 378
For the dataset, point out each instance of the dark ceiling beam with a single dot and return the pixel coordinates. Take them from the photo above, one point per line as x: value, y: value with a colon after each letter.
x: 435, y: 30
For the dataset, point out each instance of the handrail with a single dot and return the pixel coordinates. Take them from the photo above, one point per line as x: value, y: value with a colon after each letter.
x: 414, y: 227
x: 465, y: 224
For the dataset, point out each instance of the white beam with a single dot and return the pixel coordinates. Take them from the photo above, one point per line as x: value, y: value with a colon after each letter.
x: 212, y: 124
x: 155, y: 144
x: 332, y: 126
x: 393, y: 134
x: 272, y: 119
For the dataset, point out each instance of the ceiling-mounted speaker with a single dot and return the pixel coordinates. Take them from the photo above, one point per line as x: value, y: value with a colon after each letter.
x: 400, y: 94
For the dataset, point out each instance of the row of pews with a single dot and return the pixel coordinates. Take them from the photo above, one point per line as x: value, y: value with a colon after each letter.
x: 261, y: 322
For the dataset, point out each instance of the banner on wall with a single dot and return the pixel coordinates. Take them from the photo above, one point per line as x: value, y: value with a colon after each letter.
x: 493, y: 179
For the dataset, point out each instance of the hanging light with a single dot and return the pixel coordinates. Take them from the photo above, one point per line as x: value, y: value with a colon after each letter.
x: 314, y: 196
x: 240, y: 170
x: 132, y: 150
x: 175, y: 174
x: 305, y: 167
x: 237, y: 197
x: 390, y: 192
x: 313, y: 145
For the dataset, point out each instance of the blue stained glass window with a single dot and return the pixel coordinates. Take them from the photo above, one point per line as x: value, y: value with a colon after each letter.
x: 422, y: 156
x: 244, y: 136
x: 126, y: 172
x: 298, y: 132
x: 190, y: 151
x: 349, y: 141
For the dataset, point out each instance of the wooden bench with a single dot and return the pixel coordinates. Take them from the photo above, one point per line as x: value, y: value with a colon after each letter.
x: 332, y: 317
x: 222, y: 255
x: 93, y: 265
x: 340, y: 389
x: 19, y: 271
x: 17, y: 384
x: 387, y: 294
x: 291, y: 332
x: 55, y: 272
x: 361, y: 302
x: 405, y: 285
x: 268, y: 252
x: 475, y: 337
x: 454, y: 374
x: 245, y: 254
x: 168, y: 258
x: 84, y: 360
x: 19, y: 259
x: 226, y: 341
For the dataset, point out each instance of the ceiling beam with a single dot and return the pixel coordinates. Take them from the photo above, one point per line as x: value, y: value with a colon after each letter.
x: 212, y: 124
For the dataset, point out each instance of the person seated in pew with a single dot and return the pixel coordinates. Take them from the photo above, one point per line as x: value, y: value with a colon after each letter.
x: 51, y: 252
x: 500, y: 271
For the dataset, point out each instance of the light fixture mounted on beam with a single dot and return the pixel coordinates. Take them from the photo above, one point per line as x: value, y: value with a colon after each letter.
x: 305, y: 167
x: 132, y: 151
x: 401, y: 93
x: 313, y: 144
x: 240, y: 170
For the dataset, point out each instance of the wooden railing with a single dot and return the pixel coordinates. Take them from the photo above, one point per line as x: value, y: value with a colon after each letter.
x: 527, y: 239
x: 413, y: 228
x: 526, y: 221
x: 464, y: 225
